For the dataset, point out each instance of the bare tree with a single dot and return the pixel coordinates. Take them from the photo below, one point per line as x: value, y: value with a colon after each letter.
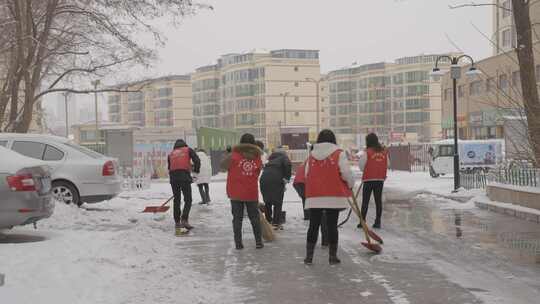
x: 45, y: 45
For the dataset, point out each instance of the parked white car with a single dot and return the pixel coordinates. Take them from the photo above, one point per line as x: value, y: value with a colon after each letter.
x: 25, y: 190
x: 79, y: 175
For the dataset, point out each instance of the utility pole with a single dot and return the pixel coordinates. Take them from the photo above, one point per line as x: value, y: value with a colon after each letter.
x: 66, y: 94
x: 284, y: 95
x: 96, y: 83
x: 317, y: 102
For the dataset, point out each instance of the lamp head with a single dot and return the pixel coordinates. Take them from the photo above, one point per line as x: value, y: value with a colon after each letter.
x: 473, y: 72
x: 436, y: 74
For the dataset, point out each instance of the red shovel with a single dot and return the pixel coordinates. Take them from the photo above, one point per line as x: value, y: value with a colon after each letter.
x: 369, y: 245
x: 158, y: 209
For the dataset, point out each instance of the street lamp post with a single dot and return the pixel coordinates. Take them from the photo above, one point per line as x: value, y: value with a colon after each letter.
x: 96, y: 83
x: 455, y: 74
x: 317, y: 104
x: 66, y: 94
x: 284, y: 95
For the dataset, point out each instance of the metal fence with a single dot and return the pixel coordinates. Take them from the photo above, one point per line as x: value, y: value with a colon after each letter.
x: 478, y: 179
x: 409, y: 157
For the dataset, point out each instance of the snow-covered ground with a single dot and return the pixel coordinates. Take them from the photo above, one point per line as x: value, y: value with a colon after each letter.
x: 436, y: 251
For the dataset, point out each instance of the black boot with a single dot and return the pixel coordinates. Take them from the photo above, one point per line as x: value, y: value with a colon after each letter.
x: 310, y: 248
x: 333, y: 259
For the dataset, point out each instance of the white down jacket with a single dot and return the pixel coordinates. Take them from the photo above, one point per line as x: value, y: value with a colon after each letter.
x: 205, y: 173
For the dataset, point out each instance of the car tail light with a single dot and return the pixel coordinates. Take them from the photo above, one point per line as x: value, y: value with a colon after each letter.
x: 108, y: 168
x: 22, y: 181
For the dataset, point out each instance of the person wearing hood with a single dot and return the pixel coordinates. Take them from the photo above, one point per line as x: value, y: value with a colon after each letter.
x: 203, y: 178
x: 328, y: 182
x: 244, y: 165
x: 181, y: 162
x: 276, y: 174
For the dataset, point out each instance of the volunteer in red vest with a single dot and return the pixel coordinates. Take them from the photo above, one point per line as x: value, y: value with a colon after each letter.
x: 299, y: 185
x: 181, y: 161
x: 244, y: 165
x: 328, y: 186
x: 373, y: 163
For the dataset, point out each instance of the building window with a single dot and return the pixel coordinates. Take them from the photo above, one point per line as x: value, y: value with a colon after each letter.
x: 296, y: 114
x: 296, y: 84
x: 460, y: 91
x: 507, y: 40
x: 489, y: 84
x: 296, y: 69
x: 516, y: 79
x: 296, y: 98
x: 506, y: 9
x: 475, y: 88
x: 503, y: 82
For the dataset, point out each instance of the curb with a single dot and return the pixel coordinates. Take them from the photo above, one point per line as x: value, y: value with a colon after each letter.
x: 524, y: 215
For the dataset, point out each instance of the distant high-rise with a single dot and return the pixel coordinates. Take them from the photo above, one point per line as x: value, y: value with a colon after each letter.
x: 163, y: 102
x: 258, y: 92
x: 397, y: 100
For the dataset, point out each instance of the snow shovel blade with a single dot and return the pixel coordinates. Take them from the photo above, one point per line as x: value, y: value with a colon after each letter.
x: 373, y: 247
x: 375, y: 236
x: 156, y: 209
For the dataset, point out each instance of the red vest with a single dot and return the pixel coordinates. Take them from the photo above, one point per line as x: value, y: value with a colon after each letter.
x: 324, y: 178
x: 300, y: 175
x: 376, y: 165
x: 179, y: 159
x: 243, y: 178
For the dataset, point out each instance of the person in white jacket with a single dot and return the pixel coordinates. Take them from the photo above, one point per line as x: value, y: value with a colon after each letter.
x: 329, y: 181
x: 203, y: 177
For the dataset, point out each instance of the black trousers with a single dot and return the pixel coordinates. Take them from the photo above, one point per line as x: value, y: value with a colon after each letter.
x: 178, y: 189
x: 301, y: 190
x: 375, y: 187
x: 237, y: 209
x: 204, y: 191
x: 316, y: 217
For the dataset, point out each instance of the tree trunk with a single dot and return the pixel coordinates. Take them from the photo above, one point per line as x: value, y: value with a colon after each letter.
x: 525, y: 56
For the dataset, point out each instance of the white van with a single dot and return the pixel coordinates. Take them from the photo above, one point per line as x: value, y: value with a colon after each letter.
x: 473, y: 155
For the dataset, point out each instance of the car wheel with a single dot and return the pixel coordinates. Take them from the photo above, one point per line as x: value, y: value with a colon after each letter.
x: 66, y: 193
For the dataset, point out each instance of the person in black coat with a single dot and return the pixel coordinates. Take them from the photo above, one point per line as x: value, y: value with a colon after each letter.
x: 276, y: 174
x: 181, y: 180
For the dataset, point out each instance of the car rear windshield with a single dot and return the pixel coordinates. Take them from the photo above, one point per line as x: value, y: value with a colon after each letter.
x: 84, y: 150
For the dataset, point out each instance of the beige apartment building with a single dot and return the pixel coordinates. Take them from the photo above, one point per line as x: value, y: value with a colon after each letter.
x: 398, y: 101
x: 487, y: 102
x: 504, y: 29
x: 259, y: 92
x: 163, y: 102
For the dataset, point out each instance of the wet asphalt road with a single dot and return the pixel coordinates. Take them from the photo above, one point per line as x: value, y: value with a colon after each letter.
x: 431, y: 255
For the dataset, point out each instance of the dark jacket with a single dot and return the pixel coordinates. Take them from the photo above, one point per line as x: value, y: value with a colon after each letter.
x: 275, y: 172
x: 277, y: 168
x: 184, y: 175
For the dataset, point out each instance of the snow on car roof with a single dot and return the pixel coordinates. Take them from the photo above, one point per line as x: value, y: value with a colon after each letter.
x: 32, y: 135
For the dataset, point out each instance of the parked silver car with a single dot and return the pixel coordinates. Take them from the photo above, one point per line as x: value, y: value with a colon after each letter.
x: 79, y: 175
x: 25, y: 190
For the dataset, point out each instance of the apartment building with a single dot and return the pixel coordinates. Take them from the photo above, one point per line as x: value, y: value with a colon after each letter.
x: 164, y: 102
x: 487, y: 102
x: 259, y: 92
x: 398, y: 101
x: 504, y: 29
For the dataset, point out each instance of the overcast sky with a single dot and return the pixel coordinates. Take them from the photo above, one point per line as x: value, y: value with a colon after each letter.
x: 345, y: 31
